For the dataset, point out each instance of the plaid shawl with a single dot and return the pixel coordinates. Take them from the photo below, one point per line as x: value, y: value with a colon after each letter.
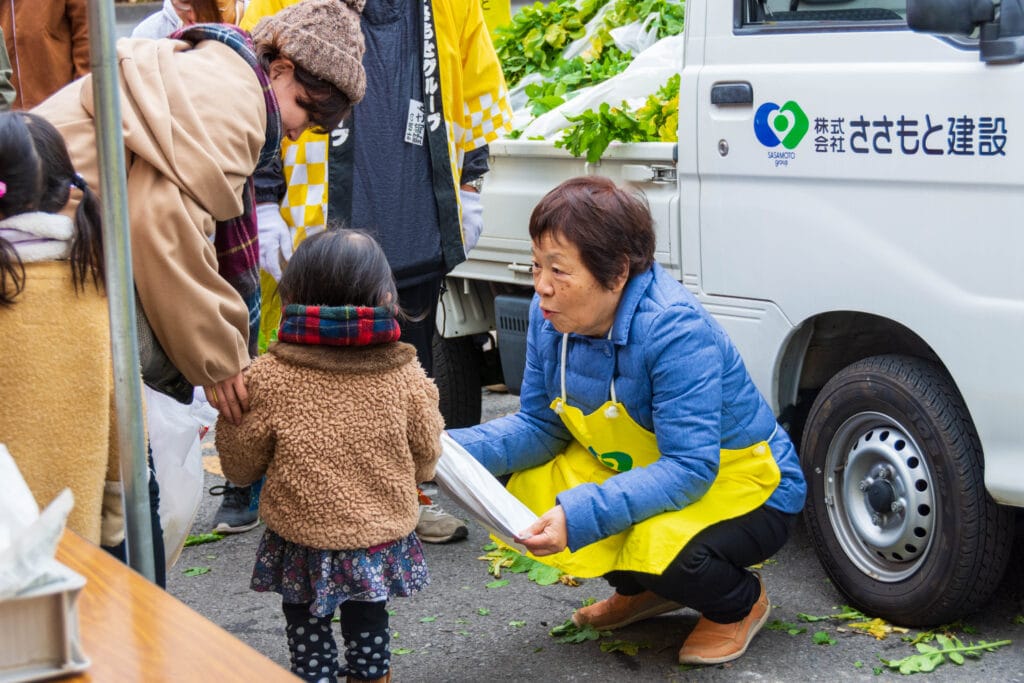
x: 238, y: 257
x: 338, y: 325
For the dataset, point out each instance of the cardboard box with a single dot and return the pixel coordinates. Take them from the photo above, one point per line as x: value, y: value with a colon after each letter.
x: 39, y: 635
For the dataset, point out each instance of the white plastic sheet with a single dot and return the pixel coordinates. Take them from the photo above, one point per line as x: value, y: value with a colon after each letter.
x: 477, y: 492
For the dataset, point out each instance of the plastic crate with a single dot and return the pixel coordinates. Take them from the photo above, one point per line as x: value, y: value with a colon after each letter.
x: 39, y: 635
x: 512, y: 317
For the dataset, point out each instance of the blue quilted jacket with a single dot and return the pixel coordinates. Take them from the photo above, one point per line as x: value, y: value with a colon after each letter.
x: 678, y: 375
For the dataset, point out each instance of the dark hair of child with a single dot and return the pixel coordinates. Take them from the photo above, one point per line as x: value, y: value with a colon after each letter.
x: 38, y: 174
x: 339, y: 267
x: 327, y: 106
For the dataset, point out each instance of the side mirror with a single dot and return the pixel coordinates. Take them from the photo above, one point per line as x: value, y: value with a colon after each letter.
x: 959, y: 17
x: 1001, y: 24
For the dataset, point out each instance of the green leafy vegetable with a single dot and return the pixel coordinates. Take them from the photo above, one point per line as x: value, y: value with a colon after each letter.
x: 427, y: 620
x: 498, y: 584
x: 624, y: 646
x: 483, y: 611
x: 538, y: 34
x: 516, y: 623
x: 569, y: 632
x: 823, y: 638
x: 656, y: 120
x: 196, y: 571
x: 791, y: 629
x: 199, y: 539
x: 928, y: 657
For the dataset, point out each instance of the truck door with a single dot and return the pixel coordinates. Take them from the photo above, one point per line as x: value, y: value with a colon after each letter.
x: 859, y: 177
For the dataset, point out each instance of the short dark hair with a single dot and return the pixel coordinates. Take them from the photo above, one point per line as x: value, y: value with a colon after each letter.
x: 339, y: 267
x: 605, y: 222
x: 327, y: 105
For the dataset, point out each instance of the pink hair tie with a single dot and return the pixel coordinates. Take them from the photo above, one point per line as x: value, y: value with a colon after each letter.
x: 3, y: 188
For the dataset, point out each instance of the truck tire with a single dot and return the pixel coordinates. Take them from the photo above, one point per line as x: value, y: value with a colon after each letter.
x: 457, y: 374
x: 897, y: 507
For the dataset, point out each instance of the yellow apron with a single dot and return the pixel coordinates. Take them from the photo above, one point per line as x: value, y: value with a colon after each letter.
x: 607, y: 442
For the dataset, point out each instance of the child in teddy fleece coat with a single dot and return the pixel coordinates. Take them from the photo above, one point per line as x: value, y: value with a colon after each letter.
x: 344, y: 423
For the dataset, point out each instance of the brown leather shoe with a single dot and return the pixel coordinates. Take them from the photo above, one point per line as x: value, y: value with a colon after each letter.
x: 619, y: 610
x: 714, y: 643
x: 384, y: 679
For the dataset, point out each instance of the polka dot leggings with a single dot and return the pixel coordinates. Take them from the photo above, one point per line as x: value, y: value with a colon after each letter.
x: 314, y: 653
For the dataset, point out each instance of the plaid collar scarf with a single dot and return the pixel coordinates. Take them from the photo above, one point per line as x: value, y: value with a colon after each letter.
x: 338, y: 325
x: 236, y: 239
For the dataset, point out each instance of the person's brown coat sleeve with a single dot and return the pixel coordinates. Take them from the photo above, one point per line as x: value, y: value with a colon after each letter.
x: 78, y: 19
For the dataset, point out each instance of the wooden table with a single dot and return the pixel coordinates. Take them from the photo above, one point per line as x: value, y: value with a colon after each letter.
x: 134, y: 631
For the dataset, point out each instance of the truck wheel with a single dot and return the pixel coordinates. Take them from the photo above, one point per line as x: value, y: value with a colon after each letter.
x: 457, y: 373
x: 896, y: 505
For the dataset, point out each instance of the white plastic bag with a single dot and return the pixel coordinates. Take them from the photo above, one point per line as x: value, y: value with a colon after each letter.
x: 477, y: 492
x: 636, y: 37
x: 177, y: 459
x: 28, y: 539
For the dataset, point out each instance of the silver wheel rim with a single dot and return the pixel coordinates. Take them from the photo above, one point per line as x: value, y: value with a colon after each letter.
x: 880, y: 496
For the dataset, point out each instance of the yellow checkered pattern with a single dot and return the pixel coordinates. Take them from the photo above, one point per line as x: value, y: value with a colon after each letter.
x: 305, y: 172
x: 488, y: 116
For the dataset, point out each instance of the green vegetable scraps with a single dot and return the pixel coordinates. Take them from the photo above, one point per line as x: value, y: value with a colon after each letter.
x: 823, y: 638
x: 498, y: 584
x: 592, y: 131
x: 845, y: 612
x: 569, y: 632
x: 624, y: 646
x: 791, y: 629
x: 401, y: 651
x: 427, y: 620
x: 517, y: 623
x: 928, y: 657
x: 483, y: 611
x: 199, y: 539
x: 517, y: 563
x: 196, y: 571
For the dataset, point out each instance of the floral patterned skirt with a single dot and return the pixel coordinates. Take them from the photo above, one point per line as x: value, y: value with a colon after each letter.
x: 327, y: 578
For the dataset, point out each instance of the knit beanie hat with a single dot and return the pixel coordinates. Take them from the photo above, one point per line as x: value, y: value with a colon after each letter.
x: 324, y: 38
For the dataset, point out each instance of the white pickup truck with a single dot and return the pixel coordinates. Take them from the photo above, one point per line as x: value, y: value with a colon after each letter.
x: 843, y: 198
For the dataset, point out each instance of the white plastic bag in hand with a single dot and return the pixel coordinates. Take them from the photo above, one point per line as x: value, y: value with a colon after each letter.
x: 476, y: 491
x: 178, y: 462
x: 275, y: 239
x: 472, y: 217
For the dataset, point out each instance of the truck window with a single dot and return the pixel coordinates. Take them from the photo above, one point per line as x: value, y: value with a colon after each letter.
x: 821, y: 15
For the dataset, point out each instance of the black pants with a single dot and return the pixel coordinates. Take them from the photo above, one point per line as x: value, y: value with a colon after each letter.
x: 709, y: 574
x: 314, y: 652
x: 159, y: 560
x: 421, y: 300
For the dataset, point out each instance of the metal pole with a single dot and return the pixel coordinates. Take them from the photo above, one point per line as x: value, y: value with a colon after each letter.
x: 120, y: 288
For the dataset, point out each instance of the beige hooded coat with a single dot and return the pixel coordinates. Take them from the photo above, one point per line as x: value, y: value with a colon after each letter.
x: 194, y: 121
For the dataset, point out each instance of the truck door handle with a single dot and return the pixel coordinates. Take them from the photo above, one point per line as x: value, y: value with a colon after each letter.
x: 732, y: 93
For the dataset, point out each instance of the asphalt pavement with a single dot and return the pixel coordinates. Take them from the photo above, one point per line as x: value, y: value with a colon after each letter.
x: 465, y: 627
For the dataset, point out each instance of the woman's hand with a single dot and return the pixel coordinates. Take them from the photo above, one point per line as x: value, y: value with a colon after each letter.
x: 547, y: 535
x: 229, y: 397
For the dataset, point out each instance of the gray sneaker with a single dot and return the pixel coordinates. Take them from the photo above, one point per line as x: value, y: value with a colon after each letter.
x: 437, y: 526
x: 239, y: 511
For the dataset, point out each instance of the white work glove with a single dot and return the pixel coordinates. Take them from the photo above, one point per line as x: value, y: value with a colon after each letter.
x: 275, y: 239
x: 472, y: 217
